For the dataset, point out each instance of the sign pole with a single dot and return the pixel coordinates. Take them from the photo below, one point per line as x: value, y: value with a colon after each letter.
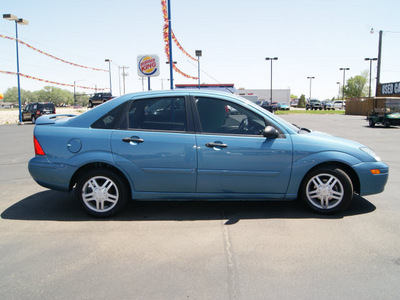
x: 171, y: 69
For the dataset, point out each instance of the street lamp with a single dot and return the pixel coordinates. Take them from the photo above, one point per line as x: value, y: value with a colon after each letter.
x: 338, y: 93
x: 344, y: 72
x: 370, y: 68
x: 271, y: 59
x: 109, y: 71
x: 198, y: 54
x: 21, y: 22
x: 311, y: 78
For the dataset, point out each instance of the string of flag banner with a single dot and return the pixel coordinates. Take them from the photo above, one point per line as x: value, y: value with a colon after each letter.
x: 53, y: 82
x: 49, y: 55
x: 166, y: 41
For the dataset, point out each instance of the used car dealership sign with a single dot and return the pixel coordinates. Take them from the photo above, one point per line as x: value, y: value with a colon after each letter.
x: 148, y: 65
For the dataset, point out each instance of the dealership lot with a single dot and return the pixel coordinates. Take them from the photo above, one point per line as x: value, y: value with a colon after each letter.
x: 199, y: 250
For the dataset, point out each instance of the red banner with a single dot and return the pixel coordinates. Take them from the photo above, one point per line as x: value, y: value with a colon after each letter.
x: 52, y: 56
x: 166, y: 41
x: 53, y: 82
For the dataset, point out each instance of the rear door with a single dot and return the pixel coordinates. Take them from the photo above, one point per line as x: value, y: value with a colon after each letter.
x: 156, y: 147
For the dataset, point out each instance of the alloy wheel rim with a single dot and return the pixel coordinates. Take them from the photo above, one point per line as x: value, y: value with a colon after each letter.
x: 325, y: 191
x: 100, y: 194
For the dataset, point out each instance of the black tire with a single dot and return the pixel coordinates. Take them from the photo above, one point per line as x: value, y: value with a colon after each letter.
x: 371, y: 123
x: 90, y: 104
x: 386, y: 124
x: 327, y: 190
x: 101, y: 193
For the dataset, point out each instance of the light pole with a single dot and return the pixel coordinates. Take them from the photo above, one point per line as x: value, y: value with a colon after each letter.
x: 338, y: 93
x: 198, y: 54
x: 271, y: 59
x: 171, y: 68
x: 109, y: 71
x: 378, y: 69
x: 344, y: 76
x: 21, y: 22
x: 370, y: 69
x: 311, y: 78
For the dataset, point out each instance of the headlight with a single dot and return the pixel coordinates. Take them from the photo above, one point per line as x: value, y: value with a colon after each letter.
x: 370, y: 152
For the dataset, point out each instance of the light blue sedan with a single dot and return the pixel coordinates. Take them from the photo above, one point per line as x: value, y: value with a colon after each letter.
x: 179, y: 145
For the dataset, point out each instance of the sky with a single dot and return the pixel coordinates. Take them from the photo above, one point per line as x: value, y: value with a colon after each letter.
x: 311, y: 38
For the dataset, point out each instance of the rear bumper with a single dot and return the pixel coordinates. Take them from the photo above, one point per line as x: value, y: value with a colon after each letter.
x: 54, y: 176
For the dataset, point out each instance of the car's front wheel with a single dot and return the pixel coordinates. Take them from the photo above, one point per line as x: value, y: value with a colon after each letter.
x: 101, y: 192
x: 327, y: 190
x: 371, y: 123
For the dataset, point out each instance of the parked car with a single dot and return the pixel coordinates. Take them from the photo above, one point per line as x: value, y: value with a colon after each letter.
x: 120, y: 150
x: 266, y: 105
x: 99, y: 98
x: 33, y: 111
x: 327, y: 105
x: 283, y: 106
x: 294, y: 102
x: 339, y: 104
x: 314, y: 104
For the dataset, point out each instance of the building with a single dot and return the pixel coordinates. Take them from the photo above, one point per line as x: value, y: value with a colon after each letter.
x: 278, y: 95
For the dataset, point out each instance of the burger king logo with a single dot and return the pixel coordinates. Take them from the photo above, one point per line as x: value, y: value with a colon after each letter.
x: 148, y: 65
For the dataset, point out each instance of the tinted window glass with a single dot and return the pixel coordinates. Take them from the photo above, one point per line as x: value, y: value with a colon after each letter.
x: 158, y: 114
x: 218, y: 116
x: 112, y: 119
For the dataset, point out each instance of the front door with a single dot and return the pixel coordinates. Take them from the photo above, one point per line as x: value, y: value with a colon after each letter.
x: 234, y: 157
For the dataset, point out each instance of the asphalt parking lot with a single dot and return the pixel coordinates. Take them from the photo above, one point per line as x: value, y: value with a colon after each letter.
x: 49, y: 249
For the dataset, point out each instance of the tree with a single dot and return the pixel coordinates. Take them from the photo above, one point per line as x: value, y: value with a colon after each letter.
x: 356, y: 86
x: 11, y: 95
x: 302, y: 101
x: 53, y: 94
x: 47, y: 94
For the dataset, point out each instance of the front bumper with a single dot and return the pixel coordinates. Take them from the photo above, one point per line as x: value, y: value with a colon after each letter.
x: 372, y: 183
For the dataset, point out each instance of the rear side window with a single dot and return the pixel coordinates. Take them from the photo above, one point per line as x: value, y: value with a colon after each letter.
x: 47, y: 106
x: 167, y: 113
x: 112, y: 119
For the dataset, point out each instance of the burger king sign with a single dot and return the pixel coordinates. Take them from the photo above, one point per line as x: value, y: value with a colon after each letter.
x: 148, y: 65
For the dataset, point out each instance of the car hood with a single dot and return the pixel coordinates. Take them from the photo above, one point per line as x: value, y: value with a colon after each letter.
x: 316, y: 142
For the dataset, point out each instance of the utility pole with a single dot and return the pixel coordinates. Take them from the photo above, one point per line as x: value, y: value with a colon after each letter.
x: 123, y: 76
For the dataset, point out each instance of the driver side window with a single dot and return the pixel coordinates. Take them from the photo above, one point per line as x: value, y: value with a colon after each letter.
x: 222, y: 117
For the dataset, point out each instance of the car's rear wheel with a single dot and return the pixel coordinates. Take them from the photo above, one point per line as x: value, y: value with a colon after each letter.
x: 101, y: 192
x: 327, y: 190
x: 386, y: 124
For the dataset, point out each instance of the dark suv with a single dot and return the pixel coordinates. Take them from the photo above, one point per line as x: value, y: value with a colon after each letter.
x: 99, y: 98
x: 314, y: 104
x: 34, y: 110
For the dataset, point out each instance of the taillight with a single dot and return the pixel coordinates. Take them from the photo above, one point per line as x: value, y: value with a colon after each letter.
x: 38, y: 112
x: 38, y: 148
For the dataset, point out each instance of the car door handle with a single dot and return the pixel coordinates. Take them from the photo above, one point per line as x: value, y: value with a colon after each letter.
x: 218, y: 145
x: 133, y: 139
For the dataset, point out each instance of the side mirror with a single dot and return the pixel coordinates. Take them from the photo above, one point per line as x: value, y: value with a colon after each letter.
x: 270, y: 132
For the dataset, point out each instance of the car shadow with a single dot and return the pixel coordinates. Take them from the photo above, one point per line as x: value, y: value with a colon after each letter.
x: 59, y: 206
